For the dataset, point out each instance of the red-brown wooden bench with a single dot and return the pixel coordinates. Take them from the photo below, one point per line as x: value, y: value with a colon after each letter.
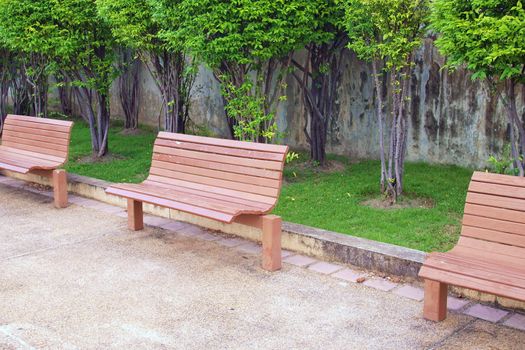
x: 38, y: 146
x: 490, y: 254
x: 228, y: 181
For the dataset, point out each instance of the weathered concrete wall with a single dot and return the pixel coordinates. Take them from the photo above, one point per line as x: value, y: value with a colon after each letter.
x: 452, y: 118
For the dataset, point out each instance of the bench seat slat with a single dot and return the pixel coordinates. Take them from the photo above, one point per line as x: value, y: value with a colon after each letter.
x: 228, y: 207
x: 16, y: 129
x: 41, y: 126
x: 494, y: 224
x: 231, y: 168
x: 477, y: 268
x: 44, y: 145
x: 173, y: 204
x: 213, y: 189
x: 218, y: 158
x: 217, y: 174
x: 11, y: 167
x: 493, y: 236
x: 232, y: 185
x: 495, y: 213
x: 496, y: 201
x: 489, y: 178
x: 225, y: 143
x: 497, y: 189
x: 240, y: 201
x: 30, y: 165
x: 64, y: 123
x: 36, y: 149
x: 491, y: 247
x: 457, y: 279
x: 227, y: 151
x: 48, y: 139
x: 30, y: 154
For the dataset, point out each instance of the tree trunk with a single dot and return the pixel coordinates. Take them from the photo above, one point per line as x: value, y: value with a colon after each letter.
x: 175, y: 84
x: 319, y: 89
x: 129, y: 89
x: 380, y: 122
x: 517, y: 146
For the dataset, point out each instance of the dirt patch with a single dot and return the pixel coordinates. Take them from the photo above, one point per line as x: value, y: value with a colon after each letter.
x: 331, y: 166
x: 385, y: 204
x: 94, y: 159
x: 130, y: 132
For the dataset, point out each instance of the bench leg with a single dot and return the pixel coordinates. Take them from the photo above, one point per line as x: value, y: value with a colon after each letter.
x: 135, y: 215
x: 271, y: 243
x: 435, y: 307
x: 60, y: 188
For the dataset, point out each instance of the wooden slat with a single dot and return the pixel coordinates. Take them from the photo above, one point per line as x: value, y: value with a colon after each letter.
x: 41, y: 126
x: 24, y: 135
x: 496, y: 201
x: 188, y: 198
x: 30, y: 154
x: 20, y: 146
x: 232, y: 185
x: 232, y: 168
x: 8, y: 139
x: 496, y: 258
x: 32, y: 131
x: 495, y: 213
x: 255, y: 163
x: 212, y: 189
x: 24, y: 161
x: 460, y: 280
x: 494, y: 236
x: 172, y: 204
x: 40, y: 120
x: 235, y: 152
x: 217, y: 174
x: 494, y: 224
x: 263, y: 207
x: 476, y: 268
x: 225, y: 143
x: 498, y: 179
x: 16, y: 169
x: 497, y: 190
x: 491, y: 247
x: 516, y: 269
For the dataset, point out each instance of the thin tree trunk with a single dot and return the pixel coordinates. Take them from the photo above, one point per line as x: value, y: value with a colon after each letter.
x: 380, y: 121
x: 515, y: 122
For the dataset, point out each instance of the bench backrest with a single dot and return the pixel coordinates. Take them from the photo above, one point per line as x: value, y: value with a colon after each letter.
x: 244, y: 170
x: 494, y: 219
x: 39, y: 135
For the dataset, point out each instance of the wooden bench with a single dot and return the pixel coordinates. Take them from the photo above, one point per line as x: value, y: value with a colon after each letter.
x: 490, y: 254
x: 38, y: 146
x: 224, y: 180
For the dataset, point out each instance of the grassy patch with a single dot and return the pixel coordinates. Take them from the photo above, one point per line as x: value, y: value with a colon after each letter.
x: 129, y: 159
x: 334, y: 201
x: 331, y: 200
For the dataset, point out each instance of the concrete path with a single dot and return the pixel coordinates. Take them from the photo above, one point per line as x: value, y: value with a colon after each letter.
x: 77, y: 279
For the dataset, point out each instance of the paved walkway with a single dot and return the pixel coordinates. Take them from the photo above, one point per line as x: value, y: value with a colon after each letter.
x: 77, y: 279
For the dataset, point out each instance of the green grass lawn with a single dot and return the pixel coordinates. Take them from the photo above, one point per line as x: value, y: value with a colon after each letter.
x: 328, y: 200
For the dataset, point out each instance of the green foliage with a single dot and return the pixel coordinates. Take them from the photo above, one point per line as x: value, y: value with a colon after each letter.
x: 485, y: 35
x: 292, y: 156
x: 503, y: 164
x: 243, y: 31
x: 387, y: 30
x: 248, y: 45
x: 132, y: 23
x: 252, y: 123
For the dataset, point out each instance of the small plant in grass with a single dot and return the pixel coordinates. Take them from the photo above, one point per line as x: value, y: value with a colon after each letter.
x: 504, y: 164
x: 291, y: 156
